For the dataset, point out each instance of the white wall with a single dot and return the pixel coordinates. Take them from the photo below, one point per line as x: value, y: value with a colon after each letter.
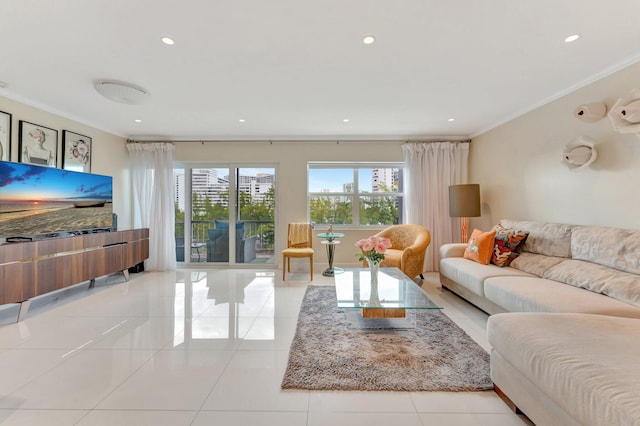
x: 109, y: 156
x: 291, y: 160
x: 518, y: 164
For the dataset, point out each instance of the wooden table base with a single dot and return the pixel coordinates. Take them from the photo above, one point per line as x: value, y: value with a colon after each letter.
x: 383, y: 313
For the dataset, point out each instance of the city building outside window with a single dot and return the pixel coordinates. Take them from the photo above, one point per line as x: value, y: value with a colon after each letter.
x: 354, y: 194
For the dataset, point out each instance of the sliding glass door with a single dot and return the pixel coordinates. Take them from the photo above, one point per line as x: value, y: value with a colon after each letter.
x: 229, y: 211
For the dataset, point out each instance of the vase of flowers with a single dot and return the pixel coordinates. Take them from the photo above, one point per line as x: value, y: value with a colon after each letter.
x: 373, y: 249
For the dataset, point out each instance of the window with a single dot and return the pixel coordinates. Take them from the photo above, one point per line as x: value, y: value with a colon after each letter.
x: 355, y: 194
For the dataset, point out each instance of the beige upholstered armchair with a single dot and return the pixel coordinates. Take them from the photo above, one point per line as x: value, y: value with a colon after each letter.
x: 408, y: 248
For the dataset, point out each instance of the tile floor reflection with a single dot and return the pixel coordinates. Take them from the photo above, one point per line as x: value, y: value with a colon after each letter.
x: 196, y: 347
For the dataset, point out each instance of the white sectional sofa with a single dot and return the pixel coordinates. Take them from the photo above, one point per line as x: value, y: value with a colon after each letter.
x: 566, y: 334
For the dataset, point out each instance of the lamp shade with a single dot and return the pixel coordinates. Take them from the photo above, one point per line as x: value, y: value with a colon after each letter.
x: 464, y: 200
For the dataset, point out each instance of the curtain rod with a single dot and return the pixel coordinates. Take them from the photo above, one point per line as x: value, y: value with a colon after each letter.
x: 439, y: 141
x: 272, y: 141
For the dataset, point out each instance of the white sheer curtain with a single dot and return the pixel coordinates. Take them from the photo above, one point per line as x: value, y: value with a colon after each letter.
x: 431, y: 168
x: 153, y: 200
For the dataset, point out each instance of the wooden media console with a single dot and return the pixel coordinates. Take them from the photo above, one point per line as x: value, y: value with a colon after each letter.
x: 33, y: 268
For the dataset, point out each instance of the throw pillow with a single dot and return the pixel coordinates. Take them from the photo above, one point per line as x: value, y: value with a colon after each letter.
x: 508, y: 244
x: 480, y: 246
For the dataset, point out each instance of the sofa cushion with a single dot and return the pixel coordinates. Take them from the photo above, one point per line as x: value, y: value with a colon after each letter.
x: 615, y: 248
x: 536, y: 264
x: 507, y: 245
x: 597, y: 278
x: 480, y: 246
x: 525, y: 294
x: 551, y: 239
x: 471, y: 275
x: 587, y: 364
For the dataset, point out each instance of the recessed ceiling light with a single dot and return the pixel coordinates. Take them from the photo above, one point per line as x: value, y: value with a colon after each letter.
x: 451, y: 119
x: 168, y: 41
x: 368, y: 39
x: 572, y: 37
x: 137, y: 120
x: 242, y: 120
x: 346, y: 120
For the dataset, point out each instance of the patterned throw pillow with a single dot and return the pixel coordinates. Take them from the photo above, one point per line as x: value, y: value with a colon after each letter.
x: 508, y: 244
x: 480, y: 246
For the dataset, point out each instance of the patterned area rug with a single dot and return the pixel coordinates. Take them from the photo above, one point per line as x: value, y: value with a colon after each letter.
x: 328, y: 354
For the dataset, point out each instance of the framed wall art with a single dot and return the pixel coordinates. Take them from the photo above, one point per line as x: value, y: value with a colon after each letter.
x: 76, y: 152
x: 5, y: 136
x: 37, y: 144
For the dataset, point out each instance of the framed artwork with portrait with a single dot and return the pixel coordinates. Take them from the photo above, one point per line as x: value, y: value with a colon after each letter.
x: 5, y: 136
x: 37, y: 144
x: 76, y: 152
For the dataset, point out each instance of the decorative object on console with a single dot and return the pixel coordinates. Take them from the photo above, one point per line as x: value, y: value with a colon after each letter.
x: 625, y: 113
x: 591, y: 112
x: 5, y: 136
x: 480, y: 246
x: 580, y: 153
x: 76, y: 150
x: 37, y: 144
x: 464, y: 202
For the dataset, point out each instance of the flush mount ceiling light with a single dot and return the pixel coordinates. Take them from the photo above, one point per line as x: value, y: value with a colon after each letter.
x: 123, y: 93
x: 168, y: 41
x: 571, y: 38
x: 451, y: 119
x: 368, y: 39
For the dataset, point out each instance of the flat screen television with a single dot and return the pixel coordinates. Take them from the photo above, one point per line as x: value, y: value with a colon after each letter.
x: 38, y: 202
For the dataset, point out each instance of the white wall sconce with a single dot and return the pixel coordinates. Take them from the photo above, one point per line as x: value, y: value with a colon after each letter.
x: 625, y: 113
x: 580, y: 153
x: 591, y: 112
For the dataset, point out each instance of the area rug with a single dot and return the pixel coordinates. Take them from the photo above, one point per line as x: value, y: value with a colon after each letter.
x: 329, y: 354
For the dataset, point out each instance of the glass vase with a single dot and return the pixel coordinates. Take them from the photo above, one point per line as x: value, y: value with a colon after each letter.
x: 373, y: 269
x: 374, y: 298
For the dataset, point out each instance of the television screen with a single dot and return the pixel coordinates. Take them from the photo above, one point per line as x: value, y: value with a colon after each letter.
x: 36, y: 200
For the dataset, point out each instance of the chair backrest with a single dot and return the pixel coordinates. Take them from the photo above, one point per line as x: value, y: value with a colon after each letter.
x: 406, y: 235
x: 299, y: 235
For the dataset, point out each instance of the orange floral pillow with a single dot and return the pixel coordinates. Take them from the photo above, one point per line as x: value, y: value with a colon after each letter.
x: 480, y: 246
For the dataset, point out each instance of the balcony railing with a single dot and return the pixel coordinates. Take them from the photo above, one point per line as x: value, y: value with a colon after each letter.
x: 263, y: 231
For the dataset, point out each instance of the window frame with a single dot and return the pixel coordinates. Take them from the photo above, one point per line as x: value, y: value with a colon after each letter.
x: 356, y: 194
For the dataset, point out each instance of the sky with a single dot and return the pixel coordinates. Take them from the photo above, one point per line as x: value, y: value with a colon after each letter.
x: 335, y: 179
x: 26, y: 182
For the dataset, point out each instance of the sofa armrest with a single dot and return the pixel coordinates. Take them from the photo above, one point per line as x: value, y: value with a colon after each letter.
x: 452, y: 250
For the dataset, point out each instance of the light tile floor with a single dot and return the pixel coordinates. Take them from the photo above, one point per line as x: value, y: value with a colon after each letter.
x: 200, y: 347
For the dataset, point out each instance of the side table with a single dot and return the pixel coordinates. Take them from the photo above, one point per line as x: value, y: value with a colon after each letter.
x: 331, y: 240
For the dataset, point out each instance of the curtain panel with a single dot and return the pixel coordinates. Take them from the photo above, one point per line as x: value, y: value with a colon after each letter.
x: 153, y: 200
x: 431, y: 168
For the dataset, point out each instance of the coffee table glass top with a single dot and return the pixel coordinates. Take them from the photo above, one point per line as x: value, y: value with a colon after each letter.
x: 395, y: 290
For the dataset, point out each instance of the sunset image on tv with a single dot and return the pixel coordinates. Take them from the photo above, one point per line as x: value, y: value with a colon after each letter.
x: 37, y: 200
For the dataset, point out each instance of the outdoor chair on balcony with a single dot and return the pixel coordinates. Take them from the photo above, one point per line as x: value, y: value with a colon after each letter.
x: 218, y: 244
x: 179, y: 249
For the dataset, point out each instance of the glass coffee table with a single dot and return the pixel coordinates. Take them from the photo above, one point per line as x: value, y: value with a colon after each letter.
x: 392, y: 304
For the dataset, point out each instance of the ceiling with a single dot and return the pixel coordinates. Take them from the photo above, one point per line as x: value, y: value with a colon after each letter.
x: 296, y: 69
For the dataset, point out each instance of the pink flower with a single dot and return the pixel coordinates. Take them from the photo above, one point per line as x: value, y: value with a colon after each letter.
x: 380, y: 248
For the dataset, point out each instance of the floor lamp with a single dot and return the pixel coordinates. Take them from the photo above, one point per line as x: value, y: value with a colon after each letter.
x: 464, y: 202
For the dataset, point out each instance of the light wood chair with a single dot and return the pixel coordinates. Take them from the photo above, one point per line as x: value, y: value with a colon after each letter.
x: 299, y: 245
